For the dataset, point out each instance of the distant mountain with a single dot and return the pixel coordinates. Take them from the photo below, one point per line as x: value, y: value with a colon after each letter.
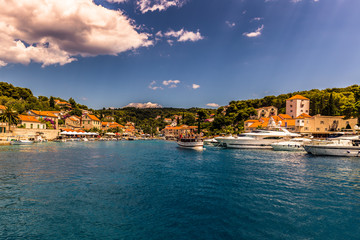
x: 144, y: 105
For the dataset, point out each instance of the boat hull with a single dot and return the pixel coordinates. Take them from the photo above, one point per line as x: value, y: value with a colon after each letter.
x: 246, y: 144
x: 341, y: 151
x: 291, y: 147
x: 21, y: 142
x: 191, y: 145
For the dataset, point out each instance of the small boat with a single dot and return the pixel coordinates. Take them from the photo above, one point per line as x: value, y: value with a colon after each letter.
x: 342, y: 147
x: 191, y: 143
x: 21, y: 142
x: 295, y: 144
x: 211, y: 142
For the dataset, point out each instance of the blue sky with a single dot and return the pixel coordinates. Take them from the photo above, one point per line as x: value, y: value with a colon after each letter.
x: 179, y: 53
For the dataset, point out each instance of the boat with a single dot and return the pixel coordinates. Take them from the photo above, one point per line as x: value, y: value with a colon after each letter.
x: 295, y: 144
x: 342, y: 147
x: 257, y: 139
x: 191, y: 143
x: 21, y: 142
x: 211, y: 142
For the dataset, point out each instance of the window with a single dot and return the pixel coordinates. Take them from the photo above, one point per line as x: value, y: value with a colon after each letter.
x: 301, y: 110
x: 306, y: 128
x: 31, y: 125
x: 321, y: 122
x: 290, y: 105
x: 307, y: 111
x: 317, y: 129
x: 325, y: 129
x: 290, y: 110
x: 38, y: 126
x: 302, y: 105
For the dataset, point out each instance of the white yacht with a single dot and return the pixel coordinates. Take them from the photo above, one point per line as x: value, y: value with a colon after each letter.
x: 21, y: 142
x: 258, y: 139
x: 295, y: 144
x: 191, y: 143
x: 343, y: 147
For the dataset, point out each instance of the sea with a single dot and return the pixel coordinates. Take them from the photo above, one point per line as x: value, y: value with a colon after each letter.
x: 155, y: 190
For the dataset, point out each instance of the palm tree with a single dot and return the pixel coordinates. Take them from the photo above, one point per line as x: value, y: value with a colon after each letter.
x: 10, y: 117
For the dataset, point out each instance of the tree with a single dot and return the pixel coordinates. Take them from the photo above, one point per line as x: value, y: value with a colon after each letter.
x: 72, y: 102
x: 52, y: 102
x: 10, y: 117
x: 76, y: 112
x: 202, y: 114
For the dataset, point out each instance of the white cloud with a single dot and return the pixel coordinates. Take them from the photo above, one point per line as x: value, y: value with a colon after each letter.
x: 144, y: 105
x: 195, y: 86
x: 257, y: 32
x: 55, y: 32
x: 84, y: 98
x: 171, y: 83
x: 256, y: 19
x: 230, y: 24
x: 152, y: 87
x: 2, y: 64
x: 158, y: 5
x: 184, y: 35
x: 213, y: 105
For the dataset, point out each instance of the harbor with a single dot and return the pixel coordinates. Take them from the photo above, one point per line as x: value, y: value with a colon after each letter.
x: 114, y: 189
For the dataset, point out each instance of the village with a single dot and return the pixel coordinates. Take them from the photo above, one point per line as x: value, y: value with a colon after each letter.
x: 50, y: 125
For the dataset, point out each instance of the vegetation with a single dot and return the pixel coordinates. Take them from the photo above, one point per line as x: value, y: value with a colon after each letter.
x: 10, y: 117
x: 228, y: 119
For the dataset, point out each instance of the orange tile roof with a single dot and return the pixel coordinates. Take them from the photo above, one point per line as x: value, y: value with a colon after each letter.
x: 251, y: 120
x: 72, y: 130
x: 298, y: 97
x: 304, y: 115
x: 73, y: 118
x: 44, y: 113
x: 93, y: 117
x: 2, y: 107
x: 285, y: 116
x: 26, y: 118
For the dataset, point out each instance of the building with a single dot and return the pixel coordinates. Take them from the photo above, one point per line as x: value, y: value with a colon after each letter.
x: 270, y: 123
x: 62, y: 104
x: 73, y: 122
x: 175, y: 132
x: 323, y: 124
x: 45, y: 115
x: 109, y: 119
x: 266, y: 112
x: 31, y: 122
x: 89, y: 121
x: 111, y: 125
x: 2, y: 109
x: 297, y: 105
x: 168, y: 120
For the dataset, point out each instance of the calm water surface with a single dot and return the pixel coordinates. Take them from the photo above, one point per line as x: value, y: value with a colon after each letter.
x: 154, y: 190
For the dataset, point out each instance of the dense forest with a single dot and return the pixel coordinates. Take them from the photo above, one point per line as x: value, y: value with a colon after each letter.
x: 227, y: 119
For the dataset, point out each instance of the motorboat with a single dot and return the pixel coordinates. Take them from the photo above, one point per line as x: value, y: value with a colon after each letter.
x: 343, y: 147
x: 21, y: 142
x: 295, y: 144
x: 211, y: 142
x: 257, y: 139
x: 191, y: 143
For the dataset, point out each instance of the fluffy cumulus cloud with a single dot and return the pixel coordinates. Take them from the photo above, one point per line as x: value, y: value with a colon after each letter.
x: 157, y: 5
x: 153, y: 86
x: 184, y: 35
x: 55, y: 32
x: 195, y: 86
x: 256, y: 33
x: 144, y: 105
x: 213, y: 105
x: 171, y: 83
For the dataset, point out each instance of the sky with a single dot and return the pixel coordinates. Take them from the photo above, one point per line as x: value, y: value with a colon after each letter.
x: 178, y: 53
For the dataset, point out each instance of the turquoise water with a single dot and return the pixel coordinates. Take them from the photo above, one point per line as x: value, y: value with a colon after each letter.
x: 154, y: 190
